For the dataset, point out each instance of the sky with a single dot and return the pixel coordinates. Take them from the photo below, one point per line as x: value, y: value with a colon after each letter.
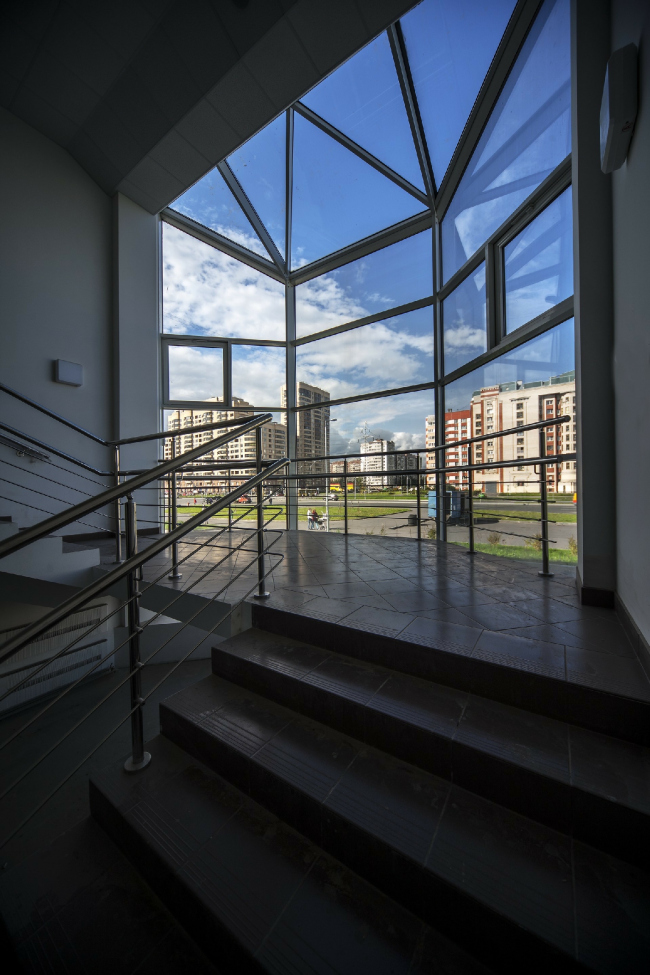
x: 339, y: 199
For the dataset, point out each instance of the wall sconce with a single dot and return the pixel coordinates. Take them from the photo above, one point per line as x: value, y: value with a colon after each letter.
x: 619, y: 107
x: 68, y: 373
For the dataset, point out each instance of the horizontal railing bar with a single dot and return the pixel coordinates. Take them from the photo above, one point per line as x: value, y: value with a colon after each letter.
x: 69, y: 647
x: 446, y: 446
x: 184, y: 431
x: 519, y: 462
x: 57, y: 521
x: 129, y: 713
x: 54, y: 450
x: 51, y: 413
x: 114, y: 576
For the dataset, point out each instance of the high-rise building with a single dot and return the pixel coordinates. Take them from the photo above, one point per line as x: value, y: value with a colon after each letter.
x: 274, y: 441
x: 312, y: 429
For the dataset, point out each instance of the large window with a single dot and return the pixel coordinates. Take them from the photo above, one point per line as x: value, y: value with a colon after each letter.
x: 399, y: 239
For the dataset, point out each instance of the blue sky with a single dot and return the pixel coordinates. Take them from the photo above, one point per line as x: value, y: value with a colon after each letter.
x: 339, y: 199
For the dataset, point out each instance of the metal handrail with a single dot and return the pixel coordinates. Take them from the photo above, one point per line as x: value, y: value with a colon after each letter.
x: 540, y: 424
x: 100, y: 440
x: 64, y: 518
x: 71, y: 605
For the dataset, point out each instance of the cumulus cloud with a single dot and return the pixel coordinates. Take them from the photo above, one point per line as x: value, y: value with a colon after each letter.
x: 205, y: 292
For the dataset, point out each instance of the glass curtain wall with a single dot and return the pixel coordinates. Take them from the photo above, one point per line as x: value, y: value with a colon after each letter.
x: 401, y: 260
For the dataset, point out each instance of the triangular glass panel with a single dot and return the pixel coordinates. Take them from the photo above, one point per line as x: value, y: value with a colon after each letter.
x: 450, y: 45
x: 337, y: 197
x: 363, y: 100
x: 260, y: 167
x: 211, y: 204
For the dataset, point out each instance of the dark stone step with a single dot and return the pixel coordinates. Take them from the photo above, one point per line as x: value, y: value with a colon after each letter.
x: 591, y: 786
x: 254, y: 893
x: 523, y: 893
x: 499, y: 666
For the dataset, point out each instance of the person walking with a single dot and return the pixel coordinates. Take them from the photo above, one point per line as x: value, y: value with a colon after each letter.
x: 315, y: 519
x: 310, y: 519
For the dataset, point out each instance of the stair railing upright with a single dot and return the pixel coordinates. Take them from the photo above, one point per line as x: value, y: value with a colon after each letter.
x: 115, y: 473
x: 130, y: 573
x: 543, y: 461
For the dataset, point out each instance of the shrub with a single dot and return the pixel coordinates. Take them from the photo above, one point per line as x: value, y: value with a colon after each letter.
x: 534, y: 543
x: 573, y: 546
x: 494, y: 538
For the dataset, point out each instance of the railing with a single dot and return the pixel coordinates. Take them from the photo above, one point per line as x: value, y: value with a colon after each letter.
x: 130, y: 574
x: 27, y: 442
x: 543, y: 461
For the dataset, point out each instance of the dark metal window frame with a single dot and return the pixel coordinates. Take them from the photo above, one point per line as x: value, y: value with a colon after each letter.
x: 210, y: 342
x: 436, y: 200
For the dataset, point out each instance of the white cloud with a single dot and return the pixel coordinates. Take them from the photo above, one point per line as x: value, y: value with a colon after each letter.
x: 205, y: 292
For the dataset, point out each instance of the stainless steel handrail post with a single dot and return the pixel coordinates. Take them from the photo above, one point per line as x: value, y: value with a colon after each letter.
x: 229, y: 506
x: 174, y: 574
x: 470, y: 502
x: 118, y: 507
x: 345, y: 495
x: 418, y: 499
x: 543, y: 495
x: 139, y: 758
x: 261, y: 591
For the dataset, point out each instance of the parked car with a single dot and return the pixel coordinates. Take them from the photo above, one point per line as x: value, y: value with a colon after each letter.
x: 245, y: 499
x: 332, y: 497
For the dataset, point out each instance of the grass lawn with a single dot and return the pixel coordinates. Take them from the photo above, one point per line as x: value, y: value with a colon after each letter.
x: 555, y: 516
x: 336, y: 512
x: 522, y: 552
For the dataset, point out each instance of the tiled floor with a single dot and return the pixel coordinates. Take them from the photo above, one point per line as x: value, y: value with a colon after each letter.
x: 429, y: 593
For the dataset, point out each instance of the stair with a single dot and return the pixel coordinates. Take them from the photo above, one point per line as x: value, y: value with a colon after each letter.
x: 257, y: 895
x: 514, y: 836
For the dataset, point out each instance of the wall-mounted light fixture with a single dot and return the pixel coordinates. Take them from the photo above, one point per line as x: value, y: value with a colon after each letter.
x: 68, y: 373
x: 619, y: 107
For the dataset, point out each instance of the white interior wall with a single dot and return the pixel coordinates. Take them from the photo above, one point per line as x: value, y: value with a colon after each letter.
x: 79, y: 281
x: 55, y: 281
x: 631, y: 236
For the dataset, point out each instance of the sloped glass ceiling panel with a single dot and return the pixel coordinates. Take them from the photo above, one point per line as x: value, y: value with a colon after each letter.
x: 464, y: 317
x: 385, y: 279
x: 337, y: 198
x: 206, y: 292
x: 539, y: 264
x: 384, y: 355
x: 450, y: 45
x: 363, y: 100
x: 211, y: 204
x: 527, y: 136
x: 260, y: 167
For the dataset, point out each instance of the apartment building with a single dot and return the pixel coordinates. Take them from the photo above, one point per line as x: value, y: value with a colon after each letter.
x: 457, y: 427
x: 312, y: 427
x: 512, y: 405
x: 274, y: 442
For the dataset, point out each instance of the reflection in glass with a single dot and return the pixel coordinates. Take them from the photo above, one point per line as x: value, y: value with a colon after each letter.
x: 205, y: 292
x: 260, y: 167
x: 258, y: 374
x: 211, y: 204
x: 539, y: 264
x: 195, y: 374
x: 384, y: 355
x: 337, y: 198
x: 464, y: 321
x: 385, y: 279
x: 363, y: 99
x: 527, y: 136
x: 535, y: 381
x: 450, y: 44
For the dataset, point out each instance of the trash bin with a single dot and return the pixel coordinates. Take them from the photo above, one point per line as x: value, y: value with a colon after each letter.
x: 412, y: 520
